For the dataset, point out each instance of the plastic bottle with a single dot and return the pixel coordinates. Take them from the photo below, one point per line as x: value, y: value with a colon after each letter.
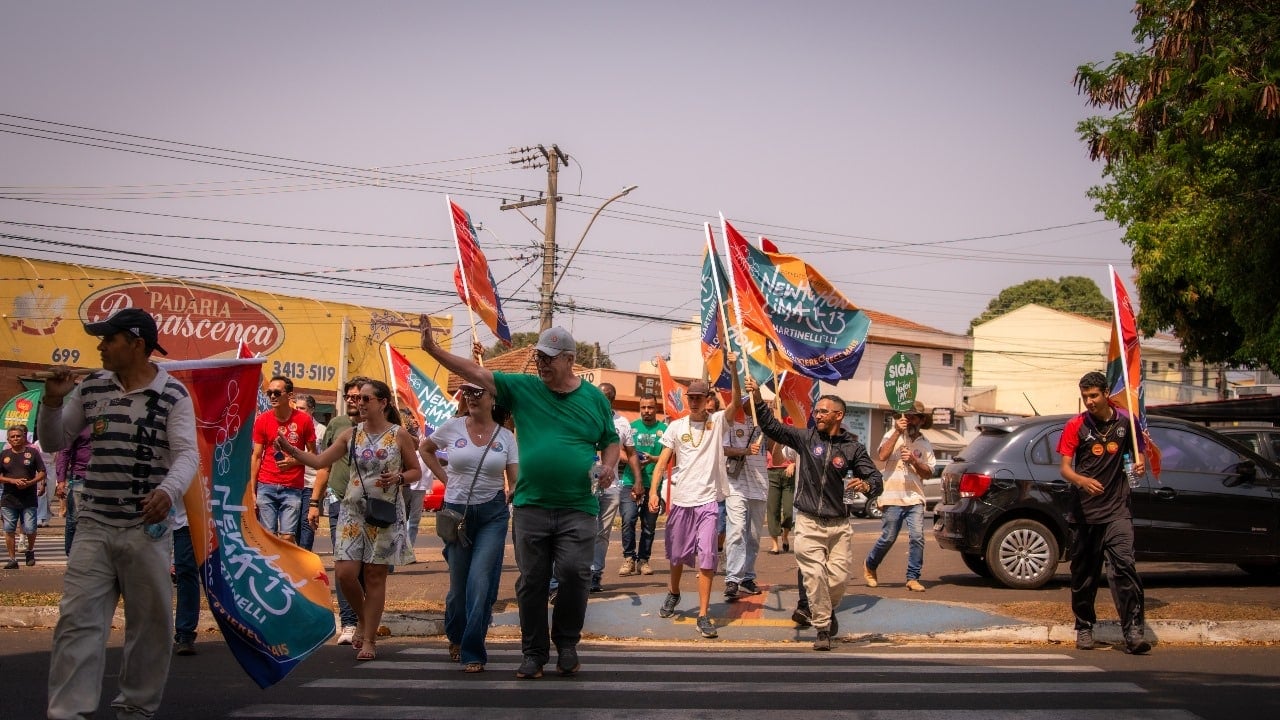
x: 1129, y: 474
x: 850, y: 495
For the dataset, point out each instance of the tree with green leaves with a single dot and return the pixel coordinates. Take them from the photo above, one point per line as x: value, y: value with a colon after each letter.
x: 1073, y: 294
x: 588, y: 355
x: 1191, y: 154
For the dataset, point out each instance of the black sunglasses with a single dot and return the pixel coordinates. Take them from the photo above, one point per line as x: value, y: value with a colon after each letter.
x: 473, y: 393
x: 274, y: 393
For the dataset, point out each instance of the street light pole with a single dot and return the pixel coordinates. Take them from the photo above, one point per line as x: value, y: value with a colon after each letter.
x: 565, y: 270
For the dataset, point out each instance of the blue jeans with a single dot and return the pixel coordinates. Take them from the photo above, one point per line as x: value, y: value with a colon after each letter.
x: 346, y: 614
x: 474, y: 574
x: 187, y: 611
x: 414, y: 499
x: 631, y: 510
x: 742, y: 537
x: 890, y: 526
x: 16, y: 519
x: 279, y: 507
x: 542, y: 536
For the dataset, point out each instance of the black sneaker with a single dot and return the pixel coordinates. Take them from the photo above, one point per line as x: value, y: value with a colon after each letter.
x: 31, y: 557
x: 596, y: 587
x: 1135, y: 645
x: 567, y: 664
x: 802, y: 617
x: 529, y: 669
x: 730, y: 591
x: 669, y: 605
x: 707, y: 626
x: 12, y: 564
x: 184, y: 647
x: 823, y: 642
x: 1084, y: 639
x: 748, y: 587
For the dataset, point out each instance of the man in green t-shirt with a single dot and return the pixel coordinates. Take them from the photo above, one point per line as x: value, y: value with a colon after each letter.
x: 647, y: 434
x: 562, y: 423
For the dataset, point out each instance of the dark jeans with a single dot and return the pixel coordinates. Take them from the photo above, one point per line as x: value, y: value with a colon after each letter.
x: 474, y: 573
x: 778, y: 507
x: 542, y: 536
x: 631, y: 511
x: 1089, y: 545
x: 305, y: 534
x: 186, y: 614
x: 69, y: 533
x: 346, y: 613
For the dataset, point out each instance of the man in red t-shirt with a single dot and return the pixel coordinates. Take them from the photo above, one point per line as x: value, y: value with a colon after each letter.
x: 277, y: 478
x: 1095, y: 446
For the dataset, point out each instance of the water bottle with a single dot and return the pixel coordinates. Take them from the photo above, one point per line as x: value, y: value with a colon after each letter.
x: 157, y: 530
x: 1129, y: 474
x: 850, y: 495
x: 597, y: 469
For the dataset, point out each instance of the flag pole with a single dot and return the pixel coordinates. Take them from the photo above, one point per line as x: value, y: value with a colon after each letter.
x: 737, y: 310
x: 1124, y: 362
x: 462, y: 273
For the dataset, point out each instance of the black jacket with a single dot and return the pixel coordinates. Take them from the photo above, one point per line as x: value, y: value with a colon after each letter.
x: 823, y: 464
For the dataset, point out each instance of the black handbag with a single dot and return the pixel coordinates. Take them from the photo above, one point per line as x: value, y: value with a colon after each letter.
x: 733, y: 466
x: 451, y: 525
x: 377, y: 512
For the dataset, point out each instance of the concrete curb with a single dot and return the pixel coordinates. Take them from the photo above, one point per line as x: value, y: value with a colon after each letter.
x: 1170, y: 632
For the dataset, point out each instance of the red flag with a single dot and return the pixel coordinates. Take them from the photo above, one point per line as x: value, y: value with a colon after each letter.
x: 797, y: 396
x: 1124, y: 367
x: 673, y: 400
x: 472, y: 276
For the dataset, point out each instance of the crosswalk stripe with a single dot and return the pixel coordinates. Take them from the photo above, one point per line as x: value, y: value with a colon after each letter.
x: 766, y: 670
x: 800, y: 654
x: 864, y: 688
x: 439, y: 712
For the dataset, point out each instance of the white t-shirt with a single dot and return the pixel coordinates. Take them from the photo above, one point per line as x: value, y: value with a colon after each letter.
x: 753, y: 482
x: 698, y: 476
x: 453, y: 438
x: 902, y: 485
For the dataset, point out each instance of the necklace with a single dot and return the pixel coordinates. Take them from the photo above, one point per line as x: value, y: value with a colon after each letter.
x: 478, y: 433
x: 706, y: 423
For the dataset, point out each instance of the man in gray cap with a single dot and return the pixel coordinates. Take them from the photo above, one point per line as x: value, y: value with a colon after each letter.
x: 563, y: 424
x: 144, y: 456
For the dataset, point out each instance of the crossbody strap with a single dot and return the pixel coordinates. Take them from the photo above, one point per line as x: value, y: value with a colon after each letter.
x: 467, y: 505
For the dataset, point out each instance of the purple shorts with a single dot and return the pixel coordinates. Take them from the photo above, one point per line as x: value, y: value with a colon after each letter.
x: 691, y: 536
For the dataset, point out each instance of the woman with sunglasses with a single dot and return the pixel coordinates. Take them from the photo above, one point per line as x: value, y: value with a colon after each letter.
x: 478, y: 484
x: 383, y: 463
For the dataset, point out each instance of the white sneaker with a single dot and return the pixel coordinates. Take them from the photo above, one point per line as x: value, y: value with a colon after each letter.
x: 347, y: 635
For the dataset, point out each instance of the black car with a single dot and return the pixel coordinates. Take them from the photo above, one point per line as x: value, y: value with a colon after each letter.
x: 1263, y: 440
x: 1004, y: 503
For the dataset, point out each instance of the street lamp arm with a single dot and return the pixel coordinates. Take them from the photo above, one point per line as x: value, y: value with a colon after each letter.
x: 565, y: 270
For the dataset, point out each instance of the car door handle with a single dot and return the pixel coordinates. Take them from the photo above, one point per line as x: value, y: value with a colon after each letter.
x: 1165, y: 493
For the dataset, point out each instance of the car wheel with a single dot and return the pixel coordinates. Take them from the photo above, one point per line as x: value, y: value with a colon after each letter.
x: 1022, y: 554
x: 873, y: 510
x: 976, y: 563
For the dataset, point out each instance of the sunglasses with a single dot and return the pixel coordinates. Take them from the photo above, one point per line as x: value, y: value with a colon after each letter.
x: 473, y: 393
x: 368, y: 398
x: 274, y: 393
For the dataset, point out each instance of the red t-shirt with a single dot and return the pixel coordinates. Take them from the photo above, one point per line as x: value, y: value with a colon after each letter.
x: 299, y: 431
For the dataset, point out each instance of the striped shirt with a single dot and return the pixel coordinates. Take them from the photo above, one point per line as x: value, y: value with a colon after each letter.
x: 902, y: 484
x: 141, y: 440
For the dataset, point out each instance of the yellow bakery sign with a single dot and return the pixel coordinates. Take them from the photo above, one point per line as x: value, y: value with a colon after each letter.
x: 314, y: 343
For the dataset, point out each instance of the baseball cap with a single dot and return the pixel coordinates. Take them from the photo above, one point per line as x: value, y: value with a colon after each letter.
x: 135, y: 321
x: 698, y: 387
x: 556, y: 340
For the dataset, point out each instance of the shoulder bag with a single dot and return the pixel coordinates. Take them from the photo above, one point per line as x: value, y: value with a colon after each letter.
x: 377, y: 512
x: 451, y: 525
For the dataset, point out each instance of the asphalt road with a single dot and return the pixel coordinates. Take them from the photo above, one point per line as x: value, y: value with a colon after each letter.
x: 414, y: 679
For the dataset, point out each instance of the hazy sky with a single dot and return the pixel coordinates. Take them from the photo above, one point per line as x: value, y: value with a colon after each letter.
x: 921, y: 154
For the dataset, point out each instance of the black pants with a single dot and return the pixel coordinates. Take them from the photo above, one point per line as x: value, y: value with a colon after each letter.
x: 1090, y: 545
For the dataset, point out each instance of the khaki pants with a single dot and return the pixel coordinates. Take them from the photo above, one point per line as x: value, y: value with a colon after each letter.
x: 824, y: 553
x: 107, y: 563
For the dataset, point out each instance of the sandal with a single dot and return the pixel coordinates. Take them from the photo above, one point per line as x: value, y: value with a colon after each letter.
x: 368, y: 652
x: 473, y: 667
x: 357, y: 640
x: 455, y: 652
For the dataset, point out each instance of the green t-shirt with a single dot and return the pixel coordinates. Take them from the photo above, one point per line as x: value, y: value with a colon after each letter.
x: 648, y: 440
x: 340, y: 471
x: 559, y: 438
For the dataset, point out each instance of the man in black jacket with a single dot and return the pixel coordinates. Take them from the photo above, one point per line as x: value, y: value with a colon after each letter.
x: 830, y: 461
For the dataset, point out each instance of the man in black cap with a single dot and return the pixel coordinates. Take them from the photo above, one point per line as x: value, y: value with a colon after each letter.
x: 144, y: 456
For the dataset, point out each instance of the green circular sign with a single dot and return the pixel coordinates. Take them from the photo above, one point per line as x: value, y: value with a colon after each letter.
x: 900, y: 382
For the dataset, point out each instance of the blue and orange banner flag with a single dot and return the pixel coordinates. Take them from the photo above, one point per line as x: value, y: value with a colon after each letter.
x: 1125, y: 371
x: 714, y: 293
x: 753, y: 331
x: 430, y: 404
x: 822, y: 333
x: 472, y: 276
x: 271, y: 598
x: 674, y: 406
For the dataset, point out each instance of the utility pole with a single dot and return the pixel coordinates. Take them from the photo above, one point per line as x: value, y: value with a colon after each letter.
x: 554, y: 158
